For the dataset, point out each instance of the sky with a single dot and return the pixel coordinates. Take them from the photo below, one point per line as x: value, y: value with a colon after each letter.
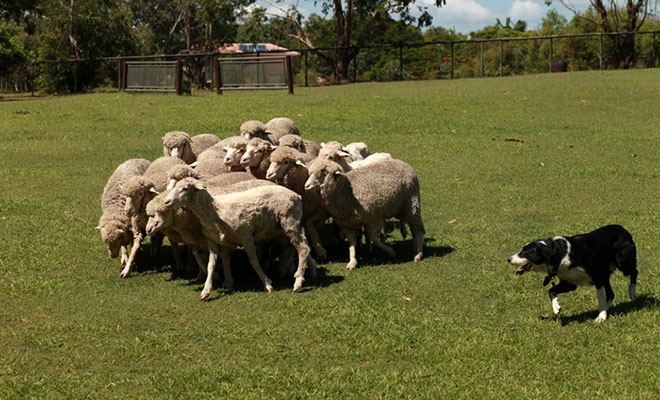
x: 468, y: 15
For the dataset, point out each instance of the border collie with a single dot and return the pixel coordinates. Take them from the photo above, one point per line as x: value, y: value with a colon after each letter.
x: 581, y: 260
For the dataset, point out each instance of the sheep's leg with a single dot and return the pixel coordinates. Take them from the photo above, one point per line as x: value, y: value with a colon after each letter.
x: 350, y: 235
x: 373, y: 234
x: 178, y: 260
x: 286, y: 260
x: 213, y: 257
x: 310, y: 228
x: 250, y: 249
x: 225, y: 254
x: 124, y: 256
x: 137, y: 240
x: 201, y: 262
x: 156, y: 243
x: 417, y: 229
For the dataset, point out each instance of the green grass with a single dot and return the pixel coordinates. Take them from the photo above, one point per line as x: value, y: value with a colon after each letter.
x: 456, y: 325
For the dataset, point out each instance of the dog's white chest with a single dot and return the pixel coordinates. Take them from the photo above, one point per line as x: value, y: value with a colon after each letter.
x: 576, y: 275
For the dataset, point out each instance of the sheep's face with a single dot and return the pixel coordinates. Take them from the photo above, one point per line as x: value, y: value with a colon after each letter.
x: 133, y: 204
x: 155, y: 223
x: 115, y: 236
x: 278, y: 170
x: 183, y: 193
x: 233, y: 156
x: 254, y: 155
x: 321, y: 173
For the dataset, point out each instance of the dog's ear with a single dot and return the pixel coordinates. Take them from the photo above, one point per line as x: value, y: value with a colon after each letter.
x: 548, y: 248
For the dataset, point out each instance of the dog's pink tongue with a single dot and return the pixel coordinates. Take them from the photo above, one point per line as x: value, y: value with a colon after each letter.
x: 519, y: 271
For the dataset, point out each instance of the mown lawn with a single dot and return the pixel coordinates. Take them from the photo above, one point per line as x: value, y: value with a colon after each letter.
x: 501, y: 161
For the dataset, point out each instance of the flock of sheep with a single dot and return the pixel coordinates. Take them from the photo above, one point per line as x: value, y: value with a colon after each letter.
x: 259, y: 190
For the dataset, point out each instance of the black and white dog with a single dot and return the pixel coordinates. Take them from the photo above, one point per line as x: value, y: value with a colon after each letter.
x: 587, y: 259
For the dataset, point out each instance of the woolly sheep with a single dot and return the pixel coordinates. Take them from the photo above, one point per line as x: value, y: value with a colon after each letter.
x: 221, y: 158
x: 246, y: 218
x: 344, y: 155
x: 300, y: 144
x: 287, y: 168
x: 366, y: 197
x: 114, y: 224
x: 178, y: 172
x: 253, y: 129
x: 179, y: 144
x: 371, y: 159
x: 278, y: 127
x: 138, y: 191
x: 256, y: 158
x: 180, y: 225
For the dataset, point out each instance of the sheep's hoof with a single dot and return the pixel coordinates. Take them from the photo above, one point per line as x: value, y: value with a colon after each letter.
x: 297, y: 286
x: 418, y: 257
x: 351, y: 265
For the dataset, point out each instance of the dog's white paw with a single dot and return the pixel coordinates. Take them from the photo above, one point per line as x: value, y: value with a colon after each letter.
x: 602, y: 316
x: 556, y: 308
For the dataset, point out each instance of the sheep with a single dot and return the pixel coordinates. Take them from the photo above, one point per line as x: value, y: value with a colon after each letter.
x: 344, y: 155
x: 287, y: 167
x: 180, y: 144
x: 181, y: 226
x: 300, y: 144
x: 371, y: 159
x: 178, y: 172
x: 221, y: 158
x: 366, y: 197
x: 256, y: 158
x: 253, y: 129
x: 138, y: 191
x: 246, y: 218
x: 114, y: 225
x: 278, y: 127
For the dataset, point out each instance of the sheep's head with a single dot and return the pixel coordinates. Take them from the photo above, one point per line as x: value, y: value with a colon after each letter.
x: 233, y: 154
x: 333, y: 151
x: 255, y: 151
x: 293, y: 141
x: 183, y: 193
x: 159, y: 216
x: 178, y: 144
x: 138, y: 190
x: 252, y: 129
x: 115, y: 234
x: 178, y: 172
x: 321, y: 172
x: 282, y: 160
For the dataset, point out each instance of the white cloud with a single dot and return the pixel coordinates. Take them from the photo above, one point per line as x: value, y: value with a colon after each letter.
x: 464, y: 15
x: 528, y: 11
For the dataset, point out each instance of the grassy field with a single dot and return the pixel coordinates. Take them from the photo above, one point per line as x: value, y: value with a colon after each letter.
x: 500, y: 162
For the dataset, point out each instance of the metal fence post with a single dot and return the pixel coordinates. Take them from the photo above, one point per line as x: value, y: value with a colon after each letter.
x: 218, y: 76
x: 550, y: 56
x: 481, y: 51
x: 400, y: 62
x: 654, y: 51
x: 178, y: 80
x: 289, y: 73
x: 600, y: 54
x: 124, y: 71
x: 452, y: 59
x: 501, y: 58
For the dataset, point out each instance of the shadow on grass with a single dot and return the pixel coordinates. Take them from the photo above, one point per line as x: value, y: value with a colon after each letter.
x: 642, y: 302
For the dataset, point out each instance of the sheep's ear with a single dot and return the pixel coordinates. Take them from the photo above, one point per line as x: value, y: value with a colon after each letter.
x: 342, y: 153
x: 302, y: 164
x: 322, y: 144
x: 274, y: 146
x: 153, y: 190
x: 339, y: 173
x: 162, y: 139
x: 193, y: 165
x: 98, y: 227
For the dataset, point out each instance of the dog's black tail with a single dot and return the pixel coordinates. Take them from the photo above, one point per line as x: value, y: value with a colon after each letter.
x: 626, y: 258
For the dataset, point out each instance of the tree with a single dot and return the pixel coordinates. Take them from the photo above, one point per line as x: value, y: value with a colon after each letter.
x: 353, y: 22
x: 613, y: 18
x: 11, y: 52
